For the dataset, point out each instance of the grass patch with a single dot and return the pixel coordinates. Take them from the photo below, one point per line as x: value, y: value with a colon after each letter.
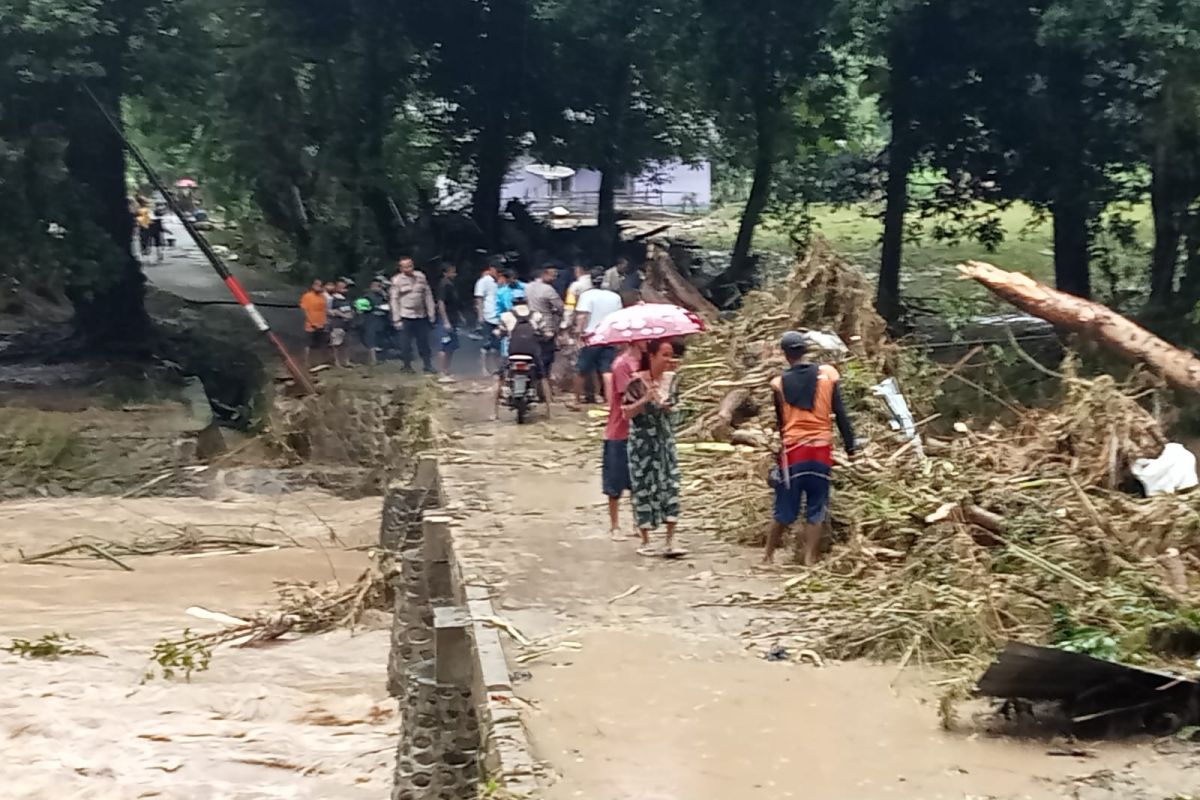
x: 33, y: 441
x: 929, y: 272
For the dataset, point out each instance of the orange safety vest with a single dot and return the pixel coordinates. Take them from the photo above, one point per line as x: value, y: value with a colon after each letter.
x: 809, y: 426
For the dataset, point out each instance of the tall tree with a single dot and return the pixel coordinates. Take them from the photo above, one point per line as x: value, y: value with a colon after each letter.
x: 615, y: 104
x: 486, y: 64
x: 758, y: 58
x: 54, y: 51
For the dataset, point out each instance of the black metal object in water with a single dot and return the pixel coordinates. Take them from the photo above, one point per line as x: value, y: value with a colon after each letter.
x: 1099, y: 698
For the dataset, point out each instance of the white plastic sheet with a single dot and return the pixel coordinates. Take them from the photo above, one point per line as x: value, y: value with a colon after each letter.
x: 1173, y: 471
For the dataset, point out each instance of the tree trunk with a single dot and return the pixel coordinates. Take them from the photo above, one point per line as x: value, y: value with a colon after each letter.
x: 490, y: 168
x: 1180, y: 368
x: 1168, y: 228
x: 375, y: 119
x: 606, y: 215
x: 1070, y: 199
x: 767, y: 100
x: 1189, y: 285
x: 110, y: 310
x: 900, y: 164
x: 1071, y: 260
x: 616, y: 102
x: 664, y: 284
x: 742, y: 264
x: 901, y: 154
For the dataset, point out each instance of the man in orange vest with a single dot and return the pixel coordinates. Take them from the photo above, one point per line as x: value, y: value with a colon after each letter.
x: 807, y: 401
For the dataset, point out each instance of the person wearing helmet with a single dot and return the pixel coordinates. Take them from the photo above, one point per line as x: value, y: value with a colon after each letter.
x: 374, y: 313
x: 520, y: 331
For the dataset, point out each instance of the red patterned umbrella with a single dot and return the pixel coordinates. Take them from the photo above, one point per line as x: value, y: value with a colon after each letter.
x: 645, y: 321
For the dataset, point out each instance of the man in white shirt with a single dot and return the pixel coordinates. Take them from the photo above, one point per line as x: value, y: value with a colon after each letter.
x: 488, y: 315
x: 594, y: 365
x: 581, y: 284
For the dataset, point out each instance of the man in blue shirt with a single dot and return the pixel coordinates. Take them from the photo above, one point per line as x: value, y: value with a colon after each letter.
x: 509, y: 285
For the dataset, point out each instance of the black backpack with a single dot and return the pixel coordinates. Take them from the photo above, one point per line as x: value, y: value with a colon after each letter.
x: 524, y: 339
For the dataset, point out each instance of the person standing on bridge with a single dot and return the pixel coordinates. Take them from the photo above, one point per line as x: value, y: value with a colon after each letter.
x: 808, y: 399
x: 614, y: 467
x: 374, y: 314
x: 593, y: 367
x: 316, y: 317
x: 449, y: 318
x: 547, y: 303
x: 341, y: 315
x: 413, y: 313
x: 649, y: 405
x: 487, y: 314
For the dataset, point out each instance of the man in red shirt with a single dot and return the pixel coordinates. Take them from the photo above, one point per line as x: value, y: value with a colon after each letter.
x: 614, y: 474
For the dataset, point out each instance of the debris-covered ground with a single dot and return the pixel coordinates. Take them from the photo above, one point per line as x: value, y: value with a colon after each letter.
x: 1021, y: 527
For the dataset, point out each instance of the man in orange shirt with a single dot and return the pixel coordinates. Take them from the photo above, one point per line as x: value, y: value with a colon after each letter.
x: 807, y: 401
x: 316, y: 315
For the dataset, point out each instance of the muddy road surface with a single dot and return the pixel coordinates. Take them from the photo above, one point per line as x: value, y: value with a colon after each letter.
x: 639, y: 684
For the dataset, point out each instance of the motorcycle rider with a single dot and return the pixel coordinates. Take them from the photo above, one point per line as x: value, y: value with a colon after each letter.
x: 520, y: 328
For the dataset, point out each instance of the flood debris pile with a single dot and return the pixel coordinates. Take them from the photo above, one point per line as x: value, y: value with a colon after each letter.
x: 305, y: 608
x: 1022, y: 529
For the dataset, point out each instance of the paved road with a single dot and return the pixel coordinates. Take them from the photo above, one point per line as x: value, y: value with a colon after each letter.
x: 186, y: 273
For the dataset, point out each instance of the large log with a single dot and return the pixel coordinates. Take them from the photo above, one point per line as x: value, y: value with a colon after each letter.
x: 1178, y: 367
x: 664, y: 283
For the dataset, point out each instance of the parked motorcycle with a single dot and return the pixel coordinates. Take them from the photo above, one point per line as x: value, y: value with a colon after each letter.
x: 520, y: 390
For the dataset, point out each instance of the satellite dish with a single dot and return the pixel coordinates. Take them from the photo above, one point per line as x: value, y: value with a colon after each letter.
x: 550, y: 172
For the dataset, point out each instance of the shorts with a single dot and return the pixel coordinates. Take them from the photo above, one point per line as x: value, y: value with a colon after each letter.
x: 337, y: 337
x: 596, y: 358
x: 490, y: 340
x: 808, y: 486
x: 614, y: 470
x: 549, y: 350
x: 318, y: 338
x: 447, y: 338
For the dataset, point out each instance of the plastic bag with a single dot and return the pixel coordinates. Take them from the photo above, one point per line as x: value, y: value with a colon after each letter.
x: 1171, y: 472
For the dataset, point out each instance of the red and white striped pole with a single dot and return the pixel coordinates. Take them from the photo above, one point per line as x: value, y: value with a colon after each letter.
x: 232, y: 283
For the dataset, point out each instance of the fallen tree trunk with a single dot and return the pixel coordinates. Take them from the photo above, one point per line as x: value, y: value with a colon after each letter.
x: 1178, y: 367
x: 664, y: 283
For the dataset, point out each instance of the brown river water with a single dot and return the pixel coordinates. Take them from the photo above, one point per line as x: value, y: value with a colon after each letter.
x: 303, y: 719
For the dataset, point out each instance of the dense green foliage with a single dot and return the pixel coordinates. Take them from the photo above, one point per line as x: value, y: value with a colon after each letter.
x: 327, y: 125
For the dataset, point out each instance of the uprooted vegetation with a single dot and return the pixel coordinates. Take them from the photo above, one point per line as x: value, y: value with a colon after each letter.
x: 1013, y: 529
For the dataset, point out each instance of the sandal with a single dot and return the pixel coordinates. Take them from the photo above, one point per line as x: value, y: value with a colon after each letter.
x: 617, y: 535
x: 648, y: 551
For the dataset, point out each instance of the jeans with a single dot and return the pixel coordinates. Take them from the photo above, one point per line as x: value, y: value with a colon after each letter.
x: 419, y: 331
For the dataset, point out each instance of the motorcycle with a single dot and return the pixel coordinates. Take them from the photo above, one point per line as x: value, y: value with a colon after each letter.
x: 520, y: 386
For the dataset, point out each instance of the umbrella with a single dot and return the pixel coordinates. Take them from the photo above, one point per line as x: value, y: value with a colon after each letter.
x: 549, y: 171
x: 645, y: 321
x: 186, y: 183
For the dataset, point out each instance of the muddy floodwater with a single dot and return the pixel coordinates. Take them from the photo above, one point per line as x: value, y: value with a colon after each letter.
x: 712, y: 722
x: 302, y: 719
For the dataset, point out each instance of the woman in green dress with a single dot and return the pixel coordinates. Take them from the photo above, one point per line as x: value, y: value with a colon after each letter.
x: 649, y: 404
